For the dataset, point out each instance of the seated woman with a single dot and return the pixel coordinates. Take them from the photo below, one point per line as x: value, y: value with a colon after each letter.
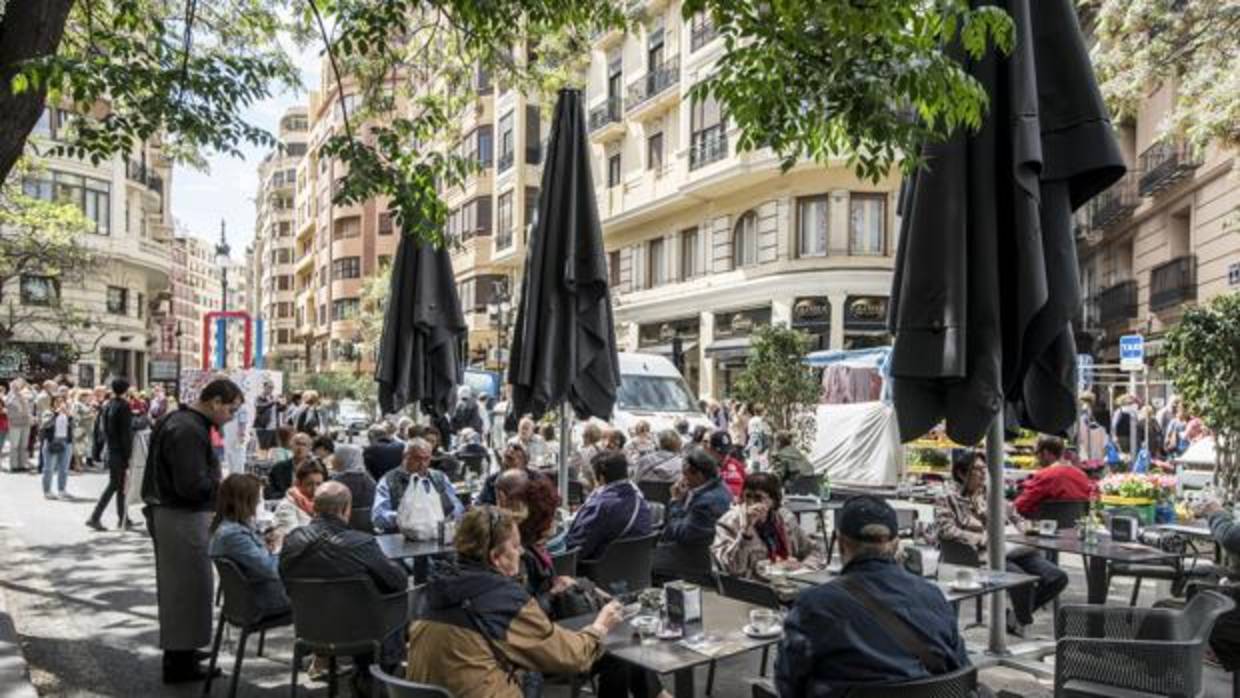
x: 960, y: 515
x: 297, y: 507
x: 234, y: 537
x: 481, y: 593
x: 758, y: 529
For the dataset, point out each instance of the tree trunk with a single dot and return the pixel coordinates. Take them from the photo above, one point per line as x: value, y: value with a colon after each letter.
x: 28, y: 29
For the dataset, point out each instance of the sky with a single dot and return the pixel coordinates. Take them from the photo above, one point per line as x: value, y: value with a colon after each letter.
x: 227, y: 191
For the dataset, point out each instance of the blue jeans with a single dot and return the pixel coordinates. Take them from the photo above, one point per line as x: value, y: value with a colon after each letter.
x: 58, y: 462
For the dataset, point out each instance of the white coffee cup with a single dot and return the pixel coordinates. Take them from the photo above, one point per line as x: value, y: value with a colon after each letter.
x: 966, y: 577
x: 1047, y: 527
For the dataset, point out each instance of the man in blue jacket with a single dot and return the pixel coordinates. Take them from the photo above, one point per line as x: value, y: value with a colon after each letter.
x: 886, y: 625
x: 699, y: 498
x: 415, y: 472
x: 615, y: 509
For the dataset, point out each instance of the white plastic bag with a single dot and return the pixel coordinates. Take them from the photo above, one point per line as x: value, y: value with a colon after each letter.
x: 420, y: 511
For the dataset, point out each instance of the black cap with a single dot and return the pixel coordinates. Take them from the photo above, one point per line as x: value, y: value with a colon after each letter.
x: 866, y: 510
x: 720, y: 441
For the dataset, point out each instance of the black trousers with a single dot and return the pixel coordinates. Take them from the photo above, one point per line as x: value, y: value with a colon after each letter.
x: 618, y: 679
x: 1027, y: 599
x: 116, y: 486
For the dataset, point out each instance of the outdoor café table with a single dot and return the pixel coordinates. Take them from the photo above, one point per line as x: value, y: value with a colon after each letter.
x: 817, y: 506
x: 1095, y: 555
x: 990, y: 582
x: 722, y: 618
x: 397, y: 547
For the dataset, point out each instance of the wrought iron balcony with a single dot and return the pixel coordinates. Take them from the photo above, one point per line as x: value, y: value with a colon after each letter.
x: 708, y: 146
x: 1173, y: 283
x: 1163, y: 164
x: 702, y: 34
x: 607, y: 113
x: 1115, y: 204
x: 1118, y: 303
x: 656, y: 81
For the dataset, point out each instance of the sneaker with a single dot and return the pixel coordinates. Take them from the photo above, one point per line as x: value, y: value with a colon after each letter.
x: 49, y: 495
x: 1015, y: 627
x: 95, y: 524
x: 65, y: 497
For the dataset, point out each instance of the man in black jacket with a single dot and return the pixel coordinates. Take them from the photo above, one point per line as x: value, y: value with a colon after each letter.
x: 118, y: 433
x: 179, y: 484
x: 326, y: 548
x: 383, y: 453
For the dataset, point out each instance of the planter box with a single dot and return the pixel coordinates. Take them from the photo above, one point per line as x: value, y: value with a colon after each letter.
x: 1144, y: 506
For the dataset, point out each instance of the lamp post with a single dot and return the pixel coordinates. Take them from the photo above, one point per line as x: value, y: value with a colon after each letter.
x: 221, y: 260
x: 498, y: 311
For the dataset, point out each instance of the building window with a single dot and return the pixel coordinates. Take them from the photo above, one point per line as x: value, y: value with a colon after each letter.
x: 692, y: 254
x: 707, y: 142
x: 140, y: 306
x: 812, y: 226
x: 284, y: 282
x: 118, y: 300
x: 322, y: 313
x: 613, y: 170
x: 385, y: 223
x: 745, y: 241
x: 656, y: 268
x: 503, y: 221
x: 867, y: 234
x: 282, y: 336
x: 344, y: 309
x: 654, y: 153
x: 507, y: 142
x: 346, y: 268
x: 322, y: 276
x: 533, y: 135
x: 93, y: 197
x: 531, y: 205
x: 613, y: 268
x: 347, y: 228
x: 40, y: 290
x: 478, y: 146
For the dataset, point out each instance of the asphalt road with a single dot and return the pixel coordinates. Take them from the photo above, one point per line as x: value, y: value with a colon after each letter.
x: 83, y: 604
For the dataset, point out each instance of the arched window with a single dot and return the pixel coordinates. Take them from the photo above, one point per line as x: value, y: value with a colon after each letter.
x: 745, y: 241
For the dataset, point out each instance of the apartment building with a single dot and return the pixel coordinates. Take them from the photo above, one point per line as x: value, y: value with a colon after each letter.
x: 196, y: 290
x: 1164, y: 237
x: 705, y: 243
x: 126, y: 200
x: 274, y: 252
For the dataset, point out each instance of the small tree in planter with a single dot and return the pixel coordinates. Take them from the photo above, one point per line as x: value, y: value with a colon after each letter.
x: 777, y: 377
x: 1202, y: 356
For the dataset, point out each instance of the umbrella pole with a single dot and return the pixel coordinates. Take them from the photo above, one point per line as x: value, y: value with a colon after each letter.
x: 996, y: 518
x: 565, y: 437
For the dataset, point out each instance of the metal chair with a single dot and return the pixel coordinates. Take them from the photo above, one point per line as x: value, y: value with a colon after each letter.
x: 334, y: 617
x: 1065, y: 512
x: 400, y: 688
x: 565, y: 563
x: 660, y: 492
x: 1106, y: 651
x: 359, y: 520
x: 953, y: 552
x: 802, y: 485
x: 625, y: 566
x: 679, y: 561
x: 240, y: 611
x: 961, y: 683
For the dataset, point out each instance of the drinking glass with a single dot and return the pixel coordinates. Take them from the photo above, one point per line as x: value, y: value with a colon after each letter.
x: 763, y: 620
x: 647, y: 627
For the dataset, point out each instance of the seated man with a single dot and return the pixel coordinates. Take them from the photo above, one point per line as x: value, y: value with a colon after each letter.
x: 415, y: 471
x: 872, y: 625
x: 382, y: 453
x: 662, y: 464
x: 788, y: 461
x: 514, y: 456
x: 699, y: 498
x: 327, y: 548
x: 347, y: 468
x: 281, y: 476
x: 1057, y: 480
x: 614, y: 510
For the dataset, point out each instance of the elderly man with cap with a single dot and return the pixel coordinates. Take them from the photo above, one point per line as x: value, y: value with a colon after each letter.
x: 887, y: 625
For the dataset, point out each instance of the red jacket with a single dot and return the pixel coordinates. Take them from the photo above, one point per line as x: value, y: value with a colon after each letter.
x: 732, y: 472
x: 1059, y: 481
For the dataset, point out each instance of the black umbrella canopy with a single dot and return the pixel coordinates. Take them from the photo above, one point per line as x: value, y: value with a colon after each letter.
x: 418, y: 361
x: 986, y: 282
x: 564, y: 344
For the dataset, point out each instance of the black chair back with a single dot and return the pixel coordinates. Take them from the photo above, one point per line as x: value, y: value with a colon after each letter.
x: 576, y: 493
x: 344, y: 616
x: 400, y: 688
x: 565, y: 563
x: 359, y: 520
x: 1065, y: 512
x: 802, y: 484
x: 749, y: 591
x: 474, y: 464
x: 680, y: 561
x: 660, y: 492
x: 953, y: 552
x: 239, y: 608
x: 625, y: 566
x: 961, y: 683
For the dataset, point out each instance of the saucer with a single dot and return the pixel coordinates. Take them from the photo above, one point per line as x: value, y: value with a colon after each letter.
x: 975, y: 586
x: 752, y: 632
x: 669, y: 634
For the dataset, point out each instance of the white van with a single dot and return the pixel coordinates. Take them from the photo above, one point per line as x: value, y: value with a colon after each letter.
x: 652, y: 389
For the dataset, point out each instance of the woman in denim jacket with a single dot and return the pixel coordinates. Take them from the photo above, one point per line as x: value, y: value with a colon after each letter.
x: 235, y: 538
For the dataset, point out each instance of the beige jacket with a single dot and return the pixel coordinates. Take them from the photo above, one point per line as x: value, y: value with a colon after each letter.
x: 736, y: 554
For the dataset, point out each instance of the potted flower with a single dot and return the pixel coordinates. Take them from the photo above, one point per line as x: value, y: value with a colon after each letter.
x: 1138, y: 491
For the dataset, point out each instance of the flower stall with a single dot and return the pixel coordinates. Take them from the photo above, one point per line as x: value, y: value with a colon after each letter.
x: 1141, y: 492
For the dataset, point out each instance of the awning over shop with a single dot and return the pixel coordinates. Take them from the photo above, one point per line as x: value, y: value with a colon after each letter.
x: 733, y: 349
x: 666, y: 349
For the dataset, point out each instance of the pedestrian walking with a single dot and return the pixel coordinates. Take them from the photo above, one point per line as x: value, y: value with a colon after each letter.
x: 56, y: 444
x: 118, y: 431
x: 179, y: 487
x: 83, y: 424
x: 4, y: 418
x: 18, y: 409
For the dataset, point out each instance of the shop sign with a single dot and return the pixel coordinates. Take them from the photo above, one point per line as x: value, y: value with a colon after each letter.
x: 740, y: 323
x: 812, y: 313
x: 664, y: 332
x: 865, y: 313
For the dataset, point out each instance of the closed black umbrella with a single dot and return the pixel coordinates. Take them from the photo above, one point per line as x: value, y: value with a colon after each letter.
x: 564, y: 344
x: 418, y: 361
x: 986, y: 281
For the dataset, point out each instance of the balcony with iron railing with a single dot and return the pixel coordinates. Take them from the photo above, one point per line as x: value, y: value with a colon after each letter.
x: 654, y: 83
x: 702, y: 34
x: 708, y: 146
x: 1163, y: 164
x: 504, y: 162
x: 503, y: 240
x: 606, y: 115
x: 1118, y: 303
x: 1116, y: 203
x: 1173, y: 283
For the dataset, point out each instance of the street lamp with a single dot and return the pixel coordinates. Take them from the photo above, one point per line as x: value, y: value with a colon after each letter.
x: 221, y: 261
x: 498, y: 311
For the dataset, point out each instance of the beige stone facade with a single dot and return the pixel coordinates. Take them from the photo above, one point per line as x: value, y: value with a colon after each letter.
x: 196, y: 290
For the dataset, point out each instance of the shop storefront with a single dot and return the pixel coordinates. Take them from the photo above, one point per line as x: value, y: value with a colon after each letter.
x: 865, y: 322
x: 729, y: 347
x: 661, y: 338
x: 812, y: 315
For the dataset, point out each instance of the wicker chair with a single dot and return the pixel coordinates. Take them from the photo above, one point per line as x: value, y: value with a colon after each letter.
x: 1105, y: 651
